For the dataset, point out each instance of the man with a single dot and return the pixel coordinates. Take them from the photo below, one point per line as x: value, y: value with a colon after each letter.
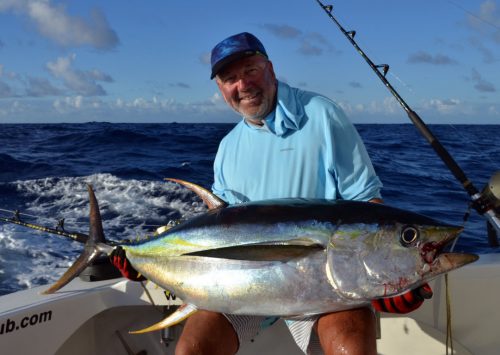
x: 290, y: 143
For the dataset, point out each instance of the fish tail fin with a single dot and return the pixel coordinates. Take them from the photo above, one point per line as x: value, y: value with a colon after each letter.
x: 94, y: 246
x: 78, y: 266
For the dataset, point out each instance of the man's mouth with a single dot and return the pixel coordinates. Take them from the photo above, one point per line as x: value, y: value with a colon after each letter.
x: 250, y: 98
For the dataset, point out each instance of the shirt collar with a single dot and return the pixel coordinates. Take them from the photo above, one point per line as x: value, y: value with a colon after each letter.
x: 286, y: 117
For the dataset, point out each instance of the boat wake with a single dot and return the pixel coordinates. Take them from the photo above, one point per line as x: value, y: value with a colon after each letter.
x: 131, y: 209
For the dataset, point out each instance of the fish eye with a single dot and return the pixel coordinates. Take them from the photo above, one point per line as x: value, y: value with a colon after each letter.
x: 409, y: 235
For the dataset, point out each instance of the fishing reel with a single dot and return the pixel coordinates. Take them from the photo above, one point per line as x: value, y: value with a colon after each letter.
x: 488, y: 204
x: 490, y: 196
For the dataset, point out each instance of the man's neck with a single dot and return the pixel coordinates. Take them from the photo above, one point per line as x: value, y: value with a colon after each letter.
x: 259, y: 122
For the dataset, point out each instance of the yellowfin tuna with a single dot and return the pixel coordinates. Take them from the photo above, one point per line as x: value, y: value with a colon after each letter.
x: 285, y: 257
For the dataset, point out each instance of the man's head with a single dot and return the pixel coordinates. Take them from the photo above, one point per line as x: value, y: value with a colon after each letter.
x: 245, y: 76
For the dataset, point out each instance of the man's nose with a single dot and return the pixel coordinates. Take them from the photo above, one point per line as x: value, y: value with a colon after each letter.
x: 244, y: 83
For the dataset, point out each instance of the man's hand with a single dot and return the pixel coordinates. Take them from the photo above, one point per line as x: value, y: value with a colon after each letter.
x: 405, y: 303
x: 120, y: 261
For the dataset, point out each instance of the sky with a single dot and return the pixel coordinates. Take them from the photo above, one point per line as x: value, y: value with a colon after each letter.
x: 149, y: 61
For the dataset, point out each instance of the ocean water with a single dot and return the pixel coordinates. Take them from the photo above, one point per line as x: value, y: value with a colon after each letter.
x: 44, y: 170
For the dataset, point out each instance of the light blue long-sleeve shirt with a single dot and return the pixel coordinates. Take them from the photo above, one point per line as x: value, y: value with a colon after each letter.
x: 306, y: 148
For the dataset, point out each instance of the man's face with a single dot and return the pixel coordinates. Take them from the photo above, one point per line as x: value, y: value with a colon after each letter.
x: 249, y: 86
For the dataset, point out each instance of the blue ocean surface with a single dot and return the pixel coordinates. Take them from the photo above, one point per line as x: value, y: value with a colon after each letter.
x: 44, y: 169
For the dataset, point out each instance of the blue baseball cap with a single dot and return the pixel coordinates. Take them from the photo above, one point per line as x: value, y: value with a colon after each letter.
x: 235, y: 47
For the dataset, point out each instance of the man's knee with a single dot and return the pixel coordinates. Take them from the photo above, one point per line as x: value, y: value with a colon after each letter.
x: 187, y: 345
x: 207, y: 333
x: 354, y: 331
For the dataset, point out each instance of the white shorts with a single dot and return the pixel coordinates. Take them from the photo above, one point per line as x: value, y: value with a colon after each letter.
x: 247, y: 328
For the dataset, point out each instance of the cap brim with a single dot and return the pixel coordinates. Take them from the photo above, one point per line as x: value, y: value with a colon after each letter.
x: 229, y: 59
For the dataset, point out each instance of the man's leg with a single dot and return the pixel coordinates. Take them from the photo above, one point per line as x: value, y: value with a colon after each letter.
x: 348, y: 332
x: 207, y: 333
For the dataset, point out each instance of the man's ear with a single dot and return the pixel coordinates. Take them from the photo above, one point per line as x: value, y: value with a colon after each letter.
x: 272, y: 69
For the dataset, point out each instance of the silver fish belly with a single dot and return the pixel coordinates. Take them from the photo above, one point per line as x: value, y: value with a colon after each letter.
x: 289, y: 284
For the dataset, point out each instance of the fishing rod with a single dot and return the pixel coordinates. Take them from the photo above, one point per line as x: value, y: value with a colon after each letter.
x: 58, y: 230
x: 61, y: 231
x: 487, y: 202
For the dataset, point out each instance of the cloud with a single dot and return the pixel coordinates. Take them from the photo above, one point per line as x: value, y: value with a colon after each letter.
x: 486, y: 21
x: 443, y: 106
x: 424, y: 57
x: 494, y: 110
x: 460, y: 110
x: 180, y: 85
x: 39, y: 87
x: 433, y: 110
x: 488, y: 56
x: 7, y: 74
x: 355, y: 84
x: 205, y: 58
x: 388, y: 106
x: 81, y: 82
x: 309, y: 44
x: 307, y: 48
x: 140, y: 106
x: 213, y: 109
x: 481, y: 85
x: 5, y: 90
x: 283, y: 31
x: 66, y: 104
x: 54, y: 23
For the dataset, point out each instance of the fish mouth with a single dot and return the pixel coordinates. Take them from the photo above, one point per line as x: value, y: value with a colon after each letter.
x: 438, y: 239
x: 449, y: 261
x: 438, y: 261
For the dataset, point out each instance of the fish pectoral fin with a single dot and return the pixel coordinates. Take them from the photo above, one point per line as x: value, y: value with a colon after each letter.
x: 178, y: 316
x: 262, y: 252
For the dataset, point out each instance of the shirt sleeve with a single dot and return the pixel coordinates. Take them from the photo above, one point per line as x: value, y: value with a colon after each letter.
x: 218, y: 187
x: 349, y: 162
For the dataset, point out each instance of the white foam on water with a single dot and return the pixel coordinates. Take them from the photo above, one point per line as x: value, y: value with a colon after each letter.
x: 129, y: 209
x: 27, y: 262
x: 126, y: 205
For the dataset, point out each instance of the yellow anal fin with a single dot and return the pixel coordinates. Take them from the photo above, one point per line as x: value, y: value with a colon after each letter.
x: 178, y: 316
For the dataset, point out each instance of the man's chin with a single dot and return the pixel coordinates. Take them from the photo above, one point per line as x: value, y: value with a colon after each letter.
x: 254, y: 118
x: 253, y: 114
